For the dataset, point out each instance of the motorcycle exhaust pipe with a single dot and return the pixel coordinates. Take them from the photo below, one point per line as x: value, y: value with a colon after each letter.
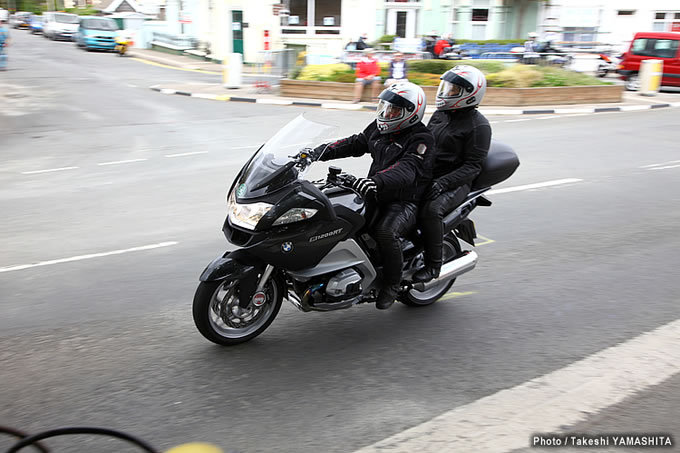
x: 451, y: 270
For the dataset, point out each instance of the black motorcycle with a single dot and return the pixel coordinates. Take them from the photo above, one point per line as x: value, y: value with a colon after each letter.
x: 310, y: 243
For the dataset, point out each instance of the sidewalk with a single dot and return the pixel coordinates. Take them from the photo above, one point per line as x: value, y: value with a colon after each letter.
x: 256, y: 93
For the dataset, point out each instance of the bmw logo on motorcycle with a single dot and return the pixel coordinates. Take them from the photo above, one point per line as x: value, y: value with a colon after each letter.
x: 287, y: 247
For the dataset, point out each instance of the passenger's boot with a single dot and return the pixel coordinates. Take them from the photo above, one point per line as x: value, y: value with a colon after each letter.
x: 386, y: 297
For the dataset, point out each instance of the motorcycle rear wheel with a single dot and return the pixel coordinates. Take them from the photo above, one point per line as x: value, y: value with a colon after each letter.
x: 219, y: 318
x: 415, y: 298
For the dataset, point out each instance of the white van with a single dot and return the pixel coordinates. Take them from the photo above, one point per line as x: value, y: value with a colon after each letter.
x: 60, y: 25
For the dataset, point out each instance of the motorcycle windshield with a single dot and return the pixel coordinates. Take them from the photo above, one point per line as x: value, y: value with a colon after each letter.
x: 271, y: 167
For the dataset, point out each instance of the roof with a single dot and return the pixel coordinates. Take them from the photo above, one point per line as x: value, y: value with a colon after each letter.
x: 119, y: 6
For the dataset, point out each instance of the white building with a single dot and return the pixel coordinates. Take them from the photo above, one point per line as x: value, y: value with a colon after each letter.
x: 608, y: 21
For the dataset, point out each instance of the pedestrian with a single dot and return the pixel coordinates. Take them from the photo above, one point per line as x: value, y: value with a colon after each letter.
x: 367, y: 73
x: 361, y: 43
x: 462, y: 139
x: 4, y: 43
x: 397, y: 69
x: 400, y: 173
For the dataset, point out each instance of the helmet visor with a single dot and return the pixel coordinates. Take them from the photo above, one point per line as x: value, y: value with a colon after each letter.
x: 449, y: 90
x: 388, y: 111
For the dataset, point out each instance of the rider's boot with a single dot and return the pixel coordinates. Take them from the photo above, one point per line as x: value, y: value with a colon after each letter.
x: 427, y: 273
x: 386, y: 297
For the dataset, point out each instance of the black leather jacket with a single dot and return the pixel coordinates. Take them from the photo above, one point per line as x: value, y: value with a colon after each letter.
x: 462, y: 141
x: 402, y: 161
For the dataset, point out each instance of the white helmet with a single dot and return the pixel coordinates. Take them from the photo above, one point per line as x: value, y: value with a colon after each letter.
x: 401, y: 105
x: 462, y: 86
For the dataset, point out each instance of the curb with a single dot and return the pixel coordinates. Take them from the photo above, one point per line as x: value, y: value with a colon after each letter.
x: 336, y: 106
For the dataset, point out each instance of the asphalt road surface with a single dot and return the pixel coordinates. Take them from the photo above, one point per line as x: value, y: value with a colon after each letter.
x: 112, y: 202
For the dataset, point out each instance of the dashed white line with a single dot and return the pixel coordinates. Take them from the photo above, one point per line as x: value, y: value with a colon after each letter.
x: 50, y: 170
x: 506, y: 420
x: 661, y: 164
x: 244, y: 147
x: 117, y: 162
x: 518, y: 120
x: 186, y: 154
x: 538, y: 185
x: 666, y: 167
x: 86, y: 257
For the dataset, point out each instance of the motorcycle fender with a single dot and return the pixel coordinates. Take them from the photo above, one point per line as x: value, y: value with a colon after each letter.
x: 223, y: 267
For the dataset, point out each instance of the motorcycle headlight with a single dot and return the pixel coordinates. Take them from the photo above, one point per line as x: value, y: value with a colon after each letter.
x: 295, y: 215
x: 248, y: 214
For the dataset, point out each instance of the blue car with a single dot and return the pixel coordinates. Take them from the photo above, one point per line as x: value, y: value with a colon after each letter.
x: 97, y: 33
x: 36, y: 24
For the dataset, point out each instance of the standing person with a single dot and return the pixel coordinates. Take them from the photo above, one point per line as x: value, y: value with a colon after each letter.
x: 368, y: 73
x: 462, y: 139
x: 361, y: 43
x: 4, y: 43
x: 397, y: 69
x: 531, y: 49
x: 401, y: 148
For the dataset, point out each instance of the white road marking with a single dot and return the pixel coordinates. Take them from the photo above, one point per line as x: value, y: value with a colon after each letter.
x: 86, y: 257
x: 517, y: 120
x: 244, y: 147
x: 548, y: 117
x: 36, y: 172
x: 577, y: 114
x: 506, y: 420
x: 186, y: 154
x: 342, y: 106
x: 661, y: 164
x: 535, y: 186
x: 274, y: 102
x: 117, y: 162
x: 664, y: 168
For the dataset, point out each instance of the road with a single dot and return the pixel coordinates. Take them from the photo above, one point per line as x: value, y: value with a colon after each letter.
x: 93, y: 162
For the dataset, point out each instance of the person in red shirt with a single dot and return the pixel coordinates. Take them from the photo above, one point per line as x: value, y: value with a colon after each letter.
x: 368, y: 73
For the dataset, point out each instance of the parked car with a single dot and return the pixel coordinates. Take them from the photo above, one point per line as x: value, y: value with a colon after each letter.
x: 36, y: 24
x: 60, y: 25
x: 20, y: 20
x: 663, y: 46
x: 97, y: 33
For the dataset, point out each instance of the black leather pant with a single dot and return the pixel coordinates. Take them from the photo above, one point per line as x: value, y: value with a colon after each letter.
x: 430, y: 220
x: 396, y: 220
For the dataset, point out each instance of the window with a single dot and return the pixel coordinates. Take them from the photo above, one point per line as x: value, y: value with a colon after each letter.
x: 327, y: 13
x: 480, y: 15
x: 664, y: 20
x: 626, y: 12
x: 298, y: 12
x: 660, y: 48
x: 321, y: 17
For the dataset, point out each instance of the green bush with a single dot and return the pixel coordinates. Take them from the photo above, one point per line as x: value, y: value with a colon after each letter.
x: 558, y: 77
x: 441, y: 66
x: 322, y: 72
x: 427, y: 73
x: 386, y: 38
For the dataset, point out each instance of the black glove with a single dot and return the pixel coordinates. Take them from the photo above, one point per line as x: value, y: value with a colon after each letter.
x: 365, y: 186
x: 318, y: 151
x: 436, y: 189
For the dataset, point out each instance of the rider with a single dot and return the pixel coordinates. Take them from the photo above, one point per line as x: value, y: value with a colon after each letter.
x: 462, y: 137
x: 401, y: 147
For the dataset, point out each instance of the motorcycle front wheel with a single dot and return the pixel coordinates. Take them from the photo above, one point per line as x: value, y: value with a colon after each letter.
x: 415, y: 298
x: 220, y: 319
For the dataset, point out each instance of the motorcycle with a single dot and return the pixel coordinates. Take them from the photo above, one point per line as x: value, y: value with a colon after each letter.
x: 607, y: 64
x: 122, y: 45
x: 310, y: 242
